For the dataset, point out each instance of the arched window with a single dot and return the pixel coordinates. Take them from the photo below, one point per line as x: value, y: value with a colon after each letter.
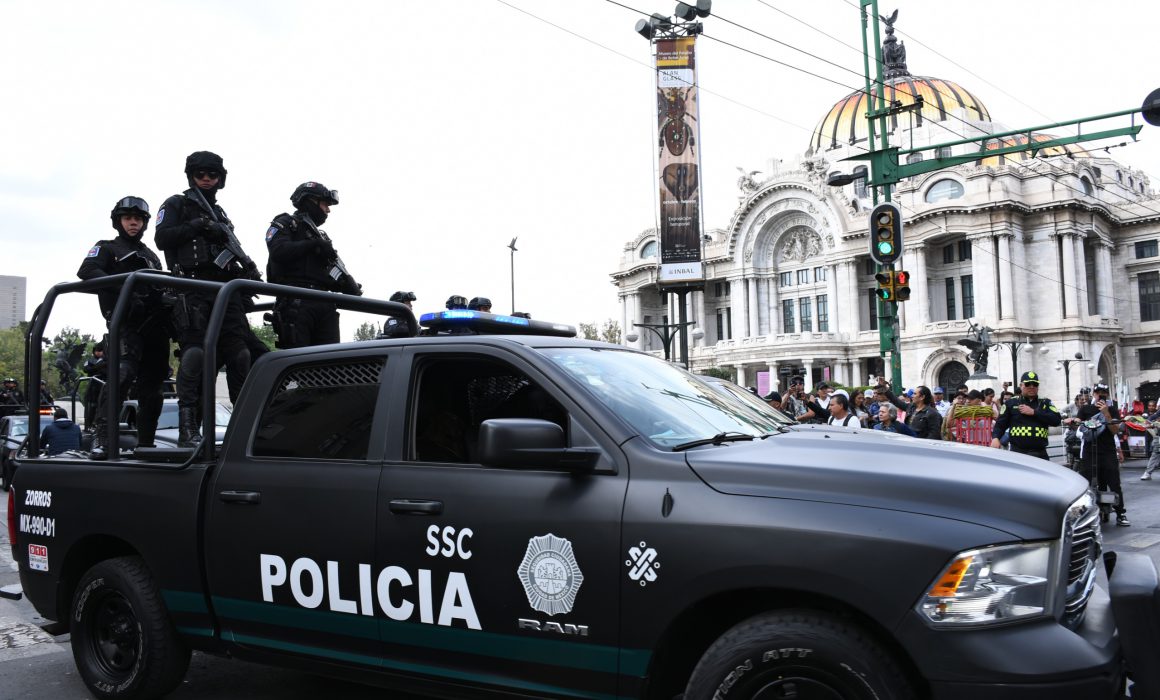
x: 1086, y: 185
x: 860, y: 175
x: 944, y: 189
x: 649, y: 250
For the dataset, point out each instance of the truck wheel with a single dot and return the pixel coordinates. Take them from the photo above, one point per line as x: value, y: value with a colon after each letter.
x: 123, y: 642
x: 799, y: 654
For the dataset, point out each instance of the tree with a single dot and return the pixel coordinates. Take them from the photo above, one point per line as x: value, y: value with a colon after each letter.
x: 366, y: 331
x: 610, y: 332
x: 588, y: 331
x: 266, y: 334
x: 718, y: 372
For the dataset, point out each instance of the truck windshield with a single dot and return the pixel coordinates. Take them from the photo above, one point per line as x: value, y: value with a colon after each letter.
x: 665, y: 404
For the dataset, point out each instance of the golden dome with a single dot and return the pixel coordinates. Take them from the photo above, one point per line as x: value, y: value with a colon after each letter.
x: 845, y: 124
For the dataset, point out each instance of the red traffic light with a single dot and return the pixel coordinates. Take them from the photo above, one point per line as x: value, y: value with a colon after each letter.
x: 901, y: 285
x: 902, y: 277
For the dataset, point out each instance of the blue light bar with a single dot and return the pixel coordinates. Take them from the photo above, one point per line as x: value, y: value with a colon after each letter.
x: 485, y: 323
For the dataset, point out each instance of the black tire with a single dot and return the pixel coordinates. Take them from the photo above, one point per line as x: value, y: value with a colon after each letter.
x: 800, y: 654
x: 123, y: 641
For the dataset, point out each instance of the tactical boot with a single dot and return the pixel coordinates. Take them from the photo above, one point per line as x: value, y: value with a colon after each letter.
x: 188, y: 428
x: 99, y: 449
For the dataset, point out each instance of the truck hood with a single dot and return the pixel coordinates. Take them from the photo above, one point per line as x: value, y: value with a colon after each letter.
x: 1022, y: 496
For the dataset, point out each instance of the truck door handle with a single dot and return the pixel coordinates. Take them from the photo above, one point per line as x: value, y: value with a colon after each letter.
x: 254, y: 497
x: 407, y: 506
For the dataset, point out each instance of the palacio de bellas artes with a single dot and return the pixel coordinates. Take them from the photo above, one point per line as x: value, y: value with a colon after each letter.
x: 1055, y: 254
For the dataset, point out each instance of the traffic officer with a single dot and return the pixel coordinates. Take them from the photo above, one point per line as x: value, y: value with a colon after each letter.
x: 1027, y: 417
x: 145, y: 330
x: 392, y: 328
x: 1104, y: 454
x: 302, y: 255
x: 199, y: 243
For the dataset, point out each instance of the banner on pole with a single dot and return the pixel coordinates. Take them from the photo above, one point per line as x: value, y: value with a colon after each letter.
x: 679, y: 161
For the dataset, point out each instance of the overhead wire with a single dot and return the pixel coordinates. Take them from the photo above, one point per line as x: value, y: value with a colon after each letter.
x: 798, y: 126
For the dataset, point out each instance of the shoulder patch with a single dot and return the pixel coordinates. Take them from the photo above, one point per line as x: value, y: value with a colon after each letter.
x: 271, y: 232
x: 94, y: 251
x: 160, y: 216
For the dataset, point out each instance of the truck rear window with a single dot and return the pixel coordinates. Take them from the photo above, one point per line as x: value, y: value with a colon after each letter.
x: 321, y: 411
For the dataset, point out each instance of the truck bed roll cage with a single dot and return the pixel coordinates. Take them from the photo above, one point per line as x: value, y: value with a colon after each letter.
x: 163, y: 280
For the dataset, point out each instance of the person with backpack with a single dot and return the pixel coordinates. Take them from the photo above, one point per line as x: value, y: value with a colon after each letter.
x: 1099, y: 453
x: 840, y: 413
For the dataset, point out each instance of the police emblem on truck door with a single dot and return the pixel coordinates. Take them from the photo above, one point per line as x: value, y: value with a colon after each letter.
x: 550, y: 574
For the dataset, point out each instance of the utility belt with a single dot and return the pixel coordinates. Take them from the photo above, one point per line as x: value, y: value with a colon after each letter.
x: 308, y: 284
x: 210, y: 272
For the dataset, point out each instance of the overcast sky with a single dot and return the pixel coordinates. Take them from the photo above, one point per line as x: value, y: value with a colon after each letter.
x: 450, y: 127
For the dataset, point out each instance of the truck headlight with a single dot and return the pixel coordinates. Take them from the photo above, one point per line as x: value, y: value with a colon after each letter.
x: 992, y: 585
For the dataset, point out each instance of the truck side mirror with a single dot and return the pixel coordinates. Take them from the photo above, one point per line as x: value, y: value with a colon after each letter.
x: 530, y: 443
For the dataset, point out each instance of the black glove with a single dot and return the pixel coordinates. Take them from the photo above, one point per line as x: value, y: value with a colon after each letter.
x: 252, y: 272
x: 197, y: 223
x: 324, y: 248
x: 217, y: 232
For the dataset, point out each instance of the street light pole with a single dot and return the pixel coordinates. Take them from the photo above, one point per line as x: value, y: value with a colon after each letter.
x: 1065, y: 365
x: 512, y: 245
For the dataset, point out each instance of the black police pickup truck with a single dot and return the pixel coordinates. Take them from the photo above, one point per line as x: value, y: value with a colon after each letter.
x: 527, y: 514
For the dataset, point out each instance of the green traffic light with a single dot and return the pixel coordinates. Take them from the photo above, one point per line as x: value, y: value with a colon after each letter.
x: 884, y: 294
x: 885, y: 248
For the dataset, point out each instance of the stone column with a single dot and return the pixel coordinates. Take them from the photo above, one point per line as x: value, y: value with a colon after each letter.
x: 983, y: 272
x: 832, y: 294
x: 624, y: 317
x: 737, y: 302
x: 853, y: 300
x: 751, y: 294
x: 702, y: 322
x: 1006, y: 276
x: 634, y: 316
x: 1081, y: 276
x: 774, y: 306
x: 1070, y: 294
x: 809, y: 374
x: 741, y: 379
x: 919, y: 306
x: 1104, y: 291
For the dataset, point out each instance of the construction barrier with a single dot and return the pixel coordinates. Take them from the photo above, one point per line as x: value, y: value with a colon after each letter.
x: 972, y: 431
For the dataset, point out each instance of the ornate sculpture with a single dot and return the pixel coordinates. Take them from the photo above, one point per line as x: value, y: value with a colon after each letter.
x: 800, y: 245
x: 747, y: 183
x: 893, y: 50
x: 979, y: 344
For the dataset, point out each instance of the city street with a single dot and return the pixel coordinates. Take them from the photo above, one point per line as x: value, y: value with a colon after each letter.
x: 37, y: 666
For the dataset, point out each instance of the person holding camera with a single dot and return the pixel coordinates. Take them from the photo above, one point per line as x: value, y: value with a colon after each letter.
x: 1104, y: 458
x: 302, y: 255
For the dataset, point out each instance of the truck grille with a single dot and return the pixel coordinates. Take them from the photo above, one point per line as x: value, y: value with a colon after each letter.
x: 1082, y: 545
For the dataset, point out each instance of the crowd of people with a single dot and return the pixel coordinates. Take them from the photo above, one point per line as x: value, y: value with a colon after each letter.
x: 1019, y: 422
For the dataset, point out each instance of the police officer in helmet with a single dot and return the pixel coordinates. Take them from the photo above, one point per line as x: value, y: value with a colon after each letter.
x: 144, y: 331
x: 480, y: 304
x: 197, y: 238
x: 456, y: 302
x: 1027, y: 417
x: 302, y: 255
x: 393, y: 328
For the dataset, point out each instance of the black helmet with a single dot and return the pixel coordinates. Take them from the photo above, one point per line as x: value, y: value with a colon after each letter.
x: 9, y: 380
x: 403, y: 297
x: 130, y: 205
x: 205, y: 160
x: 314, y: 189
x: 456, y: 302
x: 478, y: 303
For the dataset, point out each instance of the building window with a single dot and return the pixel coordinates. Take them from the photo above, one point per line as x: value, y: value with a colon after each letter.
x: 951, y: 299
x: 649, y: 250
x: 1147, y: 249
x: 787, y: 316
x: 1149, y: 358
x: 1150, y: 296
x: 823, y: 314
x: 944, y: 152
x: 913, y: 158
x: 860, y: 175
x: 965, y: 250
x: 803, y: 276
x: 948, y: 254
x: 873, y: 308
x: 722, y: 325
x: 944, y: 189
x: 968, y: 284
x: 819, y: 274
x: 806, y: 316
x: 785, y: 279
x: 1086, y: 185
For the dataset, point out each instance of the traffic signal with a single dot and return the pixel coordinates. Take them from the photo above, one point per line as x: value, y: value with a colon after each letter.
x: 885, y: 234
x: 885, y: 285
x: 901, y: 285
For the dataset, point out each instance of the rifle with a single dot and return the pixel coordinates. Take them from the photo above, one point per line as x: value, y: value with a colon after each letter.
x: 337, y: 271
x: 232, y: 247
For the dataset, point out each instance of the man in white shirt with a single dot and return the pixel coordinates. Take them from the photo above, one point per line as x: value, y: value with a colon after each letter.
x: 940, y: 404
x: 840, y: 411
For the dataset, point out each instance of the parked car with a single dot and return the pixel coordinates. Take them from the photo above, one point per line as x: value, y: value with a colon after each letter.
x: 167, y: 423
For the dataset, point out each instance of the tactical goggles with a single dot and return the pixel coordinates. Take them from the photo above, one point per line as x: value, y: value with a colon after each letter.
x: 132, y: 203
x: 203, y: 174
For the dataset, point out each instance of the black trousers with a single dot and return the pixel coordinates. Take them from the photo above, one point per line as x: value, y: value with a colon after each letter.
x: 1107, y: 468
x: 306, y: 322
x: 191, y: 315
x: 1040, y: 452
x: 144, y: 360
